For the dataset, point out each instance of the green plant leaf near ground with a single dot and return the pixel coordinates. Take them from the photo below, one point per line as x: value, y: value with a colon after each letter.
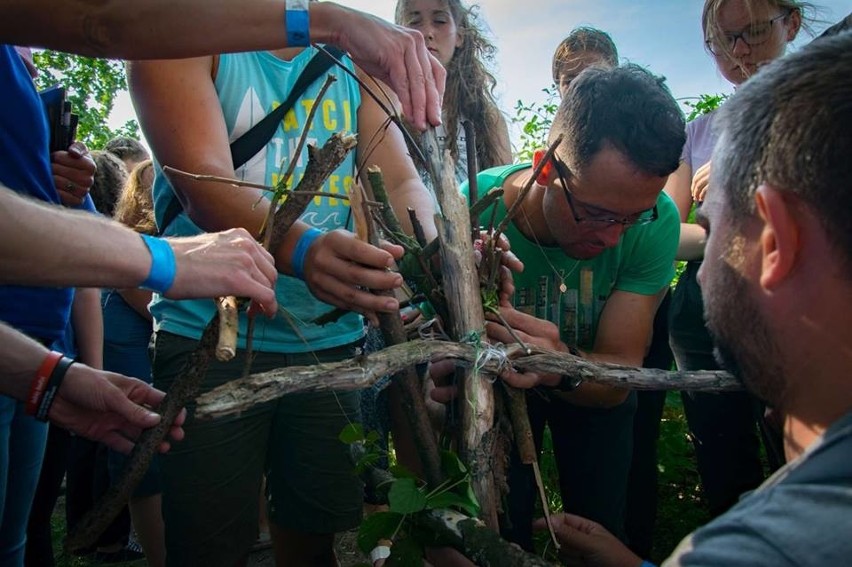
x: 376, y: 526
x: 405, y: 497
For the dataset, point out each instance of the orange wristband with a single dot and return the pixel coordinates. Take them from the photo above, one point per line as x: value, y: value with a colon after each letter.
x: 39, y: 383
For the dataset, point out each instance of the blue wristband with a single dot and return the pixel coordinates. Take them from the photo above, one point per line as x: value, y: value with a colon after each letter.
x: 302, y: 246
x: 163, y: 267
x: 297, y: 23
x: 647, y: 564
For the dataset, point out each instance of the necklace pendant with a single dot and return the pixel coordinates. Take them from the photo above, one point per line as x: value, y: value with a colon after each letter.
x: 563, y: 288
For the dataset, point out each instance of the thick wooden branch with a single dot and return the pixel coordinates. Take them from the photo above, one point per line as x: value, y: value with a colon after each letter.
x: 406, y: 381
x: 471, y: 537
x: 466, y: 323
x: 365, y: 370
x: 321, y: 163
x: 184, y: 389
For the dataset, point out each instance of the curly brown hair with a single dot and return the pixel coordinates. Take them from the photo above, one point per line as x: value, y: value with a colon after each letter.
x: 470, y: 85
x: 135, y: 206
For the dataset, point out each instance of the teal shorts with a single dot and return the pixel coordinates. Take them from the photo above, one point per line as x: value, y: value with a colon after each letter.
x: 211, y: 479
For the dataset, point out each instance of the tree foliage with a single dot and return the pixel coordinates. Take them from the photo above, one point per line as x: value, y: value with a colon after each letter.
x: 703, y: 104
x: 92, y: 87
x: 535, y: 120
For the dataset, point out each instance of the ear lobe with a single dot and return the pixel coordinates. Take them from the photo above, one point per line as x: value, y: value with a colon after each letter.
x: 779, y: 237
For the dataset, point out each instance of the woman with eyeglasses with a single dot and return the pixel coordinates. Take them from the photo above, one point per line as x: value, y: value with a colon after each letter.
x: 741, y: 36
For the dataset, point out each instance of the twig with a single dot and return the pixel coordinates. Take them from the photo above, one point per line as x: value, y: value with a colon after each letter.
x: 169, y: 170
x: 282, y: 181
x: 516, y: 206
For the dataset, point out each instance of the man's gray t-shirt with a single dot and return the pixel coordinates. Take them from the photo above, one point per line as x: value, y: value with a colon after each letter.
x: 801, y: 516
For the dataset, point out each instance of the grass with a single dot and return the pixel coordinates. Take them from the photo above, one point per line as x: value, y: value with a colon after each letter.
x: 681, y: 508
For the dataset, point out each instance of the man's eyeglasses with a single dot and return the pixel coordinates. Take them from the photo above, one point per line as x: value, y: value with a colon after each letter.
x: 755, y: 34
x: 596, y: 214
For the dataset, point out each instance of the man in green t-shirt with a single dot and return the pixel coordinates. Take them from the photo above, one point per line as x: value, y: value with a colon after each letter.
x: 598, y: 239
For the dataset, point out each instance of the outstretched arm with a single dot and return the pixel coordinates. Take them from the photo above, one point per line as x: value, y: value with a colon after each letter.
x: 46, y: 245
x: 182, y: 92
x: 99, y: 405
x: 159, y: 29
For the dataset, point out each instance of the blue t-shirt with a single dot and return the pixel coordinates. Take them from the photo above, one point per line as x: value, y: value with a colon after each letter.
x: 41, y: 312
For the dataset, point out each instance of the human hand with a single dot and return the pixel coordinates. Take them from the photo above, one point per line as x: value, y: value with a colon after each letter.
x: 509, y: 263
x: 700, y: 182
x: 441, y: 373
x: 397, y: 56
x: 109, y: 408
x: 532, y: 331
x: 224, y: 263
x: 587, y: 543
x: 73, y: 173
x: 341, y: 270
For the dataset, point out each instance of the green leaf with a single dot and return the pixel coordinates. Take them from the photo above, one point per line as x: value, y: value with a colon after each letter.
x: 372, y: 437
x: 381, y: 525
x: 467, y: 503
x: 405, y: 498
x: 452, y: 465
x: 352, y: 433
x: 366, y: 462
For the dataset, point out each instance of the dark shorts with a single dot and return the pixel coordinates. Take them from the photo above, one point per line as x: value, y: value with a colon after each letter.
x: 211, y: 480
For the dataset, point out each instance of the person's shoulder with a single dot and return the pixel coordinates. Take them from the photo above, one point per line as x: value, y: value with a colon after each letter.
x: 494, y: 177
x: 701, y: 126
x: 786, y: 524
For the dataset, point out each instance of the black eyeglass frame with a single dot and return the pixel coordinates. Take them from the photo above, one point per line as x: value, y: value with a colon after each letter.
x: 627, y: 221
x: 733, y: 37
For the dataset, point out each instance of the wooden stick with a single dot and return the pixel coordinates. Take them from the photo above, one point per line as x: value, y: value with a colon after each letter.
x: 184, y: 389
x: 226, y: 347
x: 169, y: 170
x: 516, y: 206
x: 365, y: 370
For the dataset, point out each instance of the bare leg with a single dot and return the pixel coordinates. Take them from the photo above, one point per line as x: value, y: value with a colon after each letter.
x: 147, y: 517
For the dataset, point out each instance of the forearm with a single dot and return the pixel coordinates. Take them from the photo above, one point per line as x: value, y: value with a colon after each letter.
x: 413, y: 195
x: 186, y: 28
x: 600, y: 395
x: 693, y: 238
x: 87, y: 319
x: 20, y: 360
x: 49, y: 246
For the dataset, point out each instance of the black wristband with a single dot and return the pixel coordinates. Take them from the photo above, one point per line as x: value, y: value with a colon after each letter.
x: 53, y: 384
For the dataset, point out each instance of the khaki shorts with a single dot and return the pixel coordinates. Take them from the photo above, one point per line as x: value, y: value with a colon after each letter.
x: 211, y: 479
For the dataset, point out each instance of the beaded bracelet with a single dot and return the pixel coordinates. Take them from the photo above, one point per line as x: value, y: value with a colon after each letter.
x: 302, y: 246
x: 297, y: 23
x: 163, y: 266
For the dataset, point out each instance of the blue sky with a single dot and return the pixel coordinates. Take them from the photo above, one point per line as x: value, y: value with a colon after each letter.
x: 663, y: 35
